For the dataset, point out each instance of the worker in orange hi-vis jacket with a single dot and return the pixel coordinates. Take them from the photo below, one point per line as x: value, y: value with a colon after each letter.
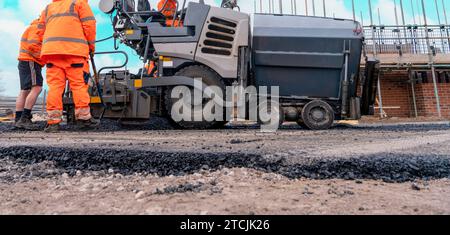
x: 168, y: 8
x: 67, y: 29
x: 30, y: 72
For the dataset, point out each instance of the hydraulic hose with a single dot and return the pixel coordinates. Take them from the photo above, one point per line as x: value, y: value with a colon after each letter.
x: 104, y: 39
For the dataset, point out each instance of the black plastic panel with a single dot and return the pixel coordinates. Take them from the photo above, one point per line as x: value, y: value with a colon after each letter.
x: 305, y: 56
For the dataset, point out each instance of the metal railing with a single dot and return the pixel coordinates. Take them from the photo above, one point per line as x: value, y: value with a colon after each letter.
x: 408, y: 39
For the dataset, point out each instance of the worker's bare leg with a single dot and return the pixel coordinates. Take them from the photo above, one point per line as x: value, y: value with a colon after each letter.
x: 32, y: 97
x: 20, y: 103
x: 27, y: 106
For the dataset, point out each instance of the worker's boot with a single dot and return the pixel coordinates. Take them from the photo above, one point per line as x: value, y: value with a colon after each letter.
x: 26, y: 124
x: 54, y: 128
x: 88, y: 124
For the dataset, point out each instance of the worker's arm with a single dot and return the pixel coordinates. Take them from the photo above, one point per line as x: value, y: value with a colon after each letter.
x: 25, y: 34
x: 34, y: 40
x: 88, y: 22
x: 41, y: 25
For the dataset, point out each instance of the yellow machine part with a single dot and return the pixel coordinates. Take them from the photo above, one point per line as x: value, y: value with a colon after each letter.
x: 96, y: 100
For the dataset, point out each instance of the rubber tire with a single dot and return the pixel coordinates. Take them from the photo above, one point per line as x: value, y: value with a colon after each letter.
x: 302, y: 124
x: 210, y: 78
x: 312, y: 124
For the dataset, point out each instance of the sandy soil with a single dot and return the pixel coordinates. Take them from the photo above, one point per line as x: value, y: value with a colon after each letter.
x: 229, y: 191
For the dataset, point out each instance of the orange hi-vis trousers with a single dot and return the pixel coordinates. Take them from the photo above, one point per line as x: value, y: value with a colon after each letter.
x: 61, y: 68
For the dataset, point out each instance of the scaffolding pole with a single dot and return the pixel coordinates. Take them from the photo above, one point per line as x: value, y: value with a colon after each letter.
x: 418, y: 11
x: 306, y: 7
x: 437, y: 12
x: 292, y: 7
x: 445, y: 13
x: 353, y: 9
x: 270, y: 7
x: 413, y: 91
x: 362, y: 18
x: 431, y: 59
x: 281, y: 6
x: 295, y: 7
x: 380, y: 98
x: 398, y: 30
x: 314, y: 7
x: 379, y: 17
x: 439, y: 22
x: 446, y: 23
x: 402, y: 10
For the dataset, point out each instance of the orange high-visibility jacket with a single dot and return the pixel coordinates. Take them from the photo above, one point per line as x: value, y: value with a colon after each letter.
x: 30, y: 45
x: 67, y: 27
x: 169, y: 8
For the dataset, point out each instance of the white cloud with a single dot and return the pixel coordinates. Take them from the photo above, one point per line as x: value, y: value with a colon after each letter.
x: 106, y: 60
x: 11, y: 31
x: 388, y: 8
x: 9, y: 81
x: 32, y: 8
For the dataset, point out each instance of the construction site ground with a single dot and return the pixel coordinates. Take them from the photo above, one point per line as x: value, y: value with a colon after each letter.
x: 153, y: 169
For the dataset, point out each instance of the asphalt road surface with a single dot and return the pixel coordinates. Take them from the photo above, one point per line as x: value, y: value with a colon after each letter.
x: 153, y: 169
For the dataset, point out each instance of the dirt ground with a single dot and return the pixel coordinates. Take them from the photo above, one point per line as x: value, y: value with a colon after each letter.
x: 395, y: 169
x: 229, y: 191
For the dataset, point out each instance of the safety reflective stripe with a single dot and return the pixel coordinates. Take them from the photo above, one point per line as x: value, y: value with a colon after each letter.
x: 71, y: 13
x: 30, y: 53
x: 40, y: 26
x: 46, y: 12
x: 29, y: 41
x: 169, y: 8
x: 64, y: 39
x: 87, y: 18
x: 33, y: 73
x: 54, y: 113
x: 91, y: 42
x: 54, y: 116
x: 72, y: 6
x: 61, y: 15
x: 83, y: 113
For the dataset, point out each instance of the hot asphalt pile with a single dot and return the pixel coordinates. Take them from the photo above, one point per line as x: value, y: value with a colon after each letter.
x: 31, y: 162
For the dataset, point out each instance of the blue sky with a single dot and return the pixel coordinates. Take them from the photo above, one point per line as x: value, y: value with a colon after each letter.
x: 15, y: 15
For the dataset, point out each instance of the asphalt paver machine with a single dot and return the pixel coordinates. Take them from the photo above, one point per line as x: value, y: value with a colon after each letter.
x: 315, y: 62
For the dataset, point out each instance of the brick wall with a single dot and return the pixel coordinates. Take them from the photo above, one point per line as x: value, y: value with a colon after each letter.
x: 426, y: 101
x: 398, y: 100
x: 395, y: 92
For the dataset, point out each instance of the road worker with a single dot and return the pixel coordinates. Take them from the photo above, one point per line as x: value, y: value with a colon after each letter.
x: 168, y: 8
x: 30, y: 67
x: 67, y: 29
